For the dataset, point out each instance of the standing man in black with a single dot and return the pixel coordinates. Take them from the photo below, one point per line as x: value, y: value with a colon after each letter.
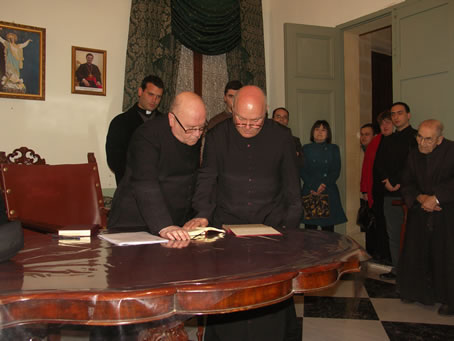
x: 249, y: 175
x: 231, y: 88
x: 163, y: 157
x: 123, y: 126
x: 391, y: 163
x: 282, y: 116
x: 426, y: 267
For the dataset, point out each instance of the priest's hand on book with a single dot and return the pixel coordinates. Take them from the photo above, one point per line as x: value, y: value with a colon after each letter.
x: 194, y: 223
x: 174, y: 233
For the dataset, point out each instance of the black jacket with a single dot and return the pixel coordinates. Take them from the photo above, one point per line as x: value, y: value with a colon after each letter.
x: 120, y: 132
x: 159, y: 181
x: 249, y: 180
x: 392, y: 157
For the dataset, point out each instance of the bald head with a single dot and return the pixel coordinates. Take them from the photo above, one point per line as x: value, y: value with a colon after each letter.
x: 430, y: 135
x: 249, y: 110
x: 435, y: 125
x: 187, y: 117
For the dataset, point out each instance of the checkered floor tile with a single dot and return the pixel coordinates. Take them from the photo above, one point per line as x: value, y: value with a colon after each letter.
x: 375, y: 312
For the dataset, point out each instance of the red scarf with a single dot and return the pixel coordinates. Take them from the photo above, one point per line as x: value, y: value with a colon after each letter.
x: 367, y: 176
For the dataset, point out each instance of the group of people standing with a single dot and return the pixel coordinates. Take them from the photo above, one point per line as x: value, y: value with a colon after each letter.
x: 410, y: 170
x: 250, y: 173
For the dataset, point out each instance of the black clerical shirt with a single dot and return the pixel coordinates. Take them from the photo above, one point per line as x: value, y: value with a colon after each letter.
x: 159, y: 182
x: 392, y: 157
x: 249, y: 180
x: 119, y: 135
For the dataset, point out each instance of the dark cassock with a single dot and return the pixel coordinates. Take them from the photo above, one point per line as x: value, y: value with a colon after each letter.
x: 159, y: 181
x: 250, y: 181
x: 119, y: 135
x: 91, y: 74
x: 426, y: 265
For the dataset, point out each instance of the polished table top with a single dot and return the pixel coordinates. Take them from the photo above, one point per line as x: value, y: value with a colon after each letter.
x: 98, y: 283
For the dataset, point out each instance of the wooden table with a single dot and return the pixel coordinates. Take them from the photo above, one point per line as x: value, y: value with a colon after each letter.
x: 97, y: 283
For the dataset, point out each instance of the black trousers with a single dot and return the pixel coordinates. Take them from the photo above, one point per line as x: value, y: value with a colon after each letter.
x: 277, y: 322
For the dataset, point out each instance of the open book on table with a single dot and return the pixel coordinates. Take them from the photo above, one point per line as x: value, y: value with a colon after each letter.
x: 202, y: 232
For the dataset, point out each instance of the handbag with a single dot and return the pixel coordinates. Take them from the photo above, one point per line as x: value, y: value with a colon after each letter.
x: 315, y: 206
x: 366, y: 218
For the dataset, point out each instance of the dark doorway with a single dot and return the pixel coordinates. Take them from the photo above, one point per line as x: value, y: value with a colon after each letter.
x: 382, y: 83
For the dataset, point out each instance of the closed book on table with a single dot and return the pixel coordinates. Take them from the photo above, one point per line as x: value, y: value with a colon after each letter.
x: 245, y: 230
x: 78, y: 230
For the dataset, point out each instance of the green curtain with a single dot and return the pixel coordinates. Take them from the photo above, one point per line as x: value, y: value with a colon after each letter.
x: 209, y: 27
x: 152, y: 49
x: 246, y: 62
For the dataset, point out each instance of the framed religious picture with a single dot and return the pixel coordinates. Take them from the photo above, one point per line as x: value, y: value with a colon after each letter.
x: 22, y: 61
x: 88, y: 72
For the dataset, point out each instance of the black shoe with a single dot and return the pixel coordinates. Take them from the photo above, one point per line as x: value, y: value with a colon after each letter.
x: 446, y: 310
x: 388, y: 276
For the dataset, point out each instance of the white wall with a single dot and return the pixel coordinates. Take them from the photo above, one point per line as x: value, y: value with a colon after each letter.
x: 66, y: 126
x: 309, y: 12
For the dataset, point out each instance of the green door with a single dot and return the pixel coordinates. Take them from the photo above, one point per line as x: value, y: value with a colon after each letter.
x: 423, y: 57
x: 314, y: 83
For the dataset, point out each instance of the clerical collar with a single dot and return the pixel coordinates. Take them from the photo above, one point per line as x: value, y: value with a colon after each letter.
x: 145, y: 114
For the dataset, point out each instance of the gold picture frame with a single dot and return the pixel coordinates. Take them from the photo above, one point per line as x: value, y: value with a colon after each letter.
x: 88, y: 71
x: 22, y: 61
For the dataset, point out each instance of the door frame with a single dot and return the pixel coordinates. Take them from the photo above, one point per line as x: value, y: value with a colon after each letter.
x: 351, y: 34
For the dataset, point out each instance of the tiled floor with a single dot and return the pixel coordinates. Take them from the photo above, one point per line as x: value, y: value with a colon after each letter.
x: 374, y: 313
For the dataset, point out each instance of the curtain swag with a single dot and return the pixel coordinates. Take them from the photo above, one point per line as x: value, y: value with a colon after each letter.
x: 209, y: 27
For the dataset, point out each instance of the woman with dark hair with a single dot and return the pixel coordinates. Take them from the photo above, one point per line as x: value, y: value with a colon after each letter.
x: 321, y: 170
x: 377, y: 244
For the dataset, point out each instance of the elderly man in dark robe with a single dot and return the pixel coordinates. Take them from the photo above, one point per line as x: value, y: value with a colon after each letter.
x: 426, y: 267
x: 250, y: 175
x: 163, y: 157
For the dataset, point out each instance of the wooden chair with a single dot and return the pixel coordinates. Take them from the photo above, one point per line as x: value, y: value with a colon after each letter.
x: 23, y: 156
x: 48, y: 197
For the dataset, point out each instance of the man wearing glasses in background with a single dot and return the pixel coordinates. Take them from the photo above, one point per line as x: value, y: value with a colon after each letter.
x: 249, y: 175
x: 426, y: 264
x: 156, y: 191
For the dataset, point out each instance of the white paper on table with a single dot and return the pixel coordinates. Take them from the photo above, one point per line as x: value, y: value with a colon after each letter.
x: 132, y: 238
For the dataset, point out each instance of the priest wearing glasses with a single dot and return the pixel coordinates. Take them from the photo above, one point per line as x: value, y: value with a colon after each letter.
x: 163, y: 157
x: 249, y: 175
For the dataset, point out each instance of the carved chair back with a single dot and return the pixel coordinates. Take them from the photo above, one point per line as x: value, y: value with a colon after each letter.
x: 48, y: 197
x: 22, y: 155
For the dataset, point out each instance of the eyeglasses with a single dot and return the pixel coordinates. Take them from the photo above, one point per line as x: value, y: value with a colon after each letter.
x: 428, y: 140
x: 190, y: 130
x: 255, y: 123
